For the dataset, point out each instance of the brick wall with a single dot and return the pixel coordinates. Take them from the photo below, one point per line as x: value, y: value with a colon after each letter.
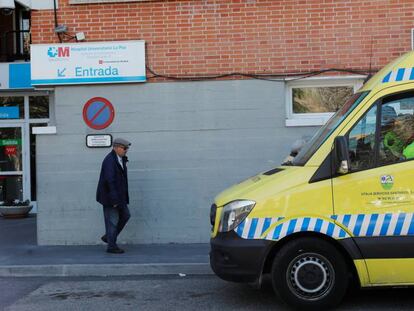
x: 260, y: 36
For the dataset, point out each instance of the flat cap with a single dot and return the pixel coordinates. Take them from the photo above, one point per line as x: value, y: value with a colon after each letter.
x: 121, y: 141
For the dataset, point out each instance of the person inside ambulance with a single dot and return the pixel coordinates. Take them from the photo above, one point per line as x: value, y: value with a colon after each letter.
x: 398, y: 135
x: 408, y: 151
x: 404, y: 128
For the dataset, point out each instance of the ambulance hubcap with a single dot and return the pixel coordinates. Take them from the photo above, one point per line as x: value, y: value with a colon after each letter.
x: 310, y: 276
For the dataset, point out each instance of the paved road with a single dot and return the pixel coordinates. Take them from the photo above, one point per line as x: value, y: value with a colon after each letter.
x: 167, y: 293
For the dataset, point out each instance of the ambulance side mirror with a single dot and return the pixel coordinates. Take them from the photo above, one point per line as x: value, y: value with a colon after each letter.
x: 341, y: 155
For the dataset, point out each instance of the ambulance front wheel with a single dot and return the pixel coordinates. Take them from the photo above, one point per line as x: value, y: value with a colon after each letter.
x: 310, y: 274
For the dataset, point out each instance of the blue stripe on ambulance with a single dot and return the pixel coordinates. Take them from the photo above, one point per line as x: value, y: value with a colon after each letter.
x: 398, y: 75
x: 400, y: 224
x: 387, y: 77
x: 371, y: 225
x: 254, y: 228
x: 358, y: 225
x: 276, y: 233
x: 239, y: 229
x: 385, y: 224
x: 305, y: 224
x: 266, y: 224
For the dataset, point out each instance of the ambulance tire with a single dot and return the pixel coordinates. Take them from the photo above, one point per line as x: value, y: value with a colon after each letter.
x: 310, y: 274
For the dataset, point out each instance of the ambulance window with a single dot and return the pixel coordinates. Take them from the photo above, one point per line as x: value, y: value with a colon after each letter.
x: 362, y: 142
x: 397, y: 129
x: 325, y: 131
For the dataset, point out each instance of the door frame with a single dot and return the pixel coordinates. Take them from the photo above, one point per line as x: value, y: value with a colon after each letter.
x: 25, y: 172
x: 26, y: 122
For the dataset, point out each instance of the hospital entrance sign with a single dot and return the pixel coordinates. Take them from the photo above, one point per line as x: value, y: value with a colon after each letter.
x: 88, y: 63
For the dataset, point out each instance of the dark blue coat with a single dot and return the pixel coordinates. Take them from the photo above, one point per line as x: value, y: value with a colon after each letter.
x: 113, y: 182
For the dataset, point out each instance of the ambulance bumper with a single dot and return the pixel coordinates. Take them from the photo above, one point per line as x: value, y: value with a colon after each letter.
x: 235, y: 259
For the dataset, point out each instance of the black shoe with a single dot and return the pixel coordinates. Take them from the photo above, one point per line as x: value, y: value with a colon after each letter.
x: 104, y: 239
x: 115, y: 250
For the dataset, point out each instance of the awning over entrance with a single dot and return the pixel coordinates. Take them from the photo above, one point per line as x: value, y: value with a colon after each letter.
x: 37, y: 4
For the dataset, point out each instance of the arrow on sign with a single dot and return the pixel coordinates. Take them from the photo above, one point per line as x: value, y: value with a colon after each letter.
x: 61, y: 73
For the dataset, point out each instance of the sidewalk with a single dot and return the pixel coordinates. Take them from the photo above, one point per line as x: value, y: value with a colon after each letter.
x: 20, y: 256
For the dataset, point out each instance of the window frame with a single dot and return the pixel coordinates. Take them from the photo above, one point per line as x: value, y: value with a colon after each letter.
x: 25, y: 123
x: 385, y: 100
x: 315, y: 119
x: 44, y: 120
x: 379, y: 103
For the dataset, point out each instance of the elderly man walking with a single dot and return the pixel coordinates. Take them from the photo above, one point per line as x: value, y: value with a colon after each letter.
x: 112, y: 193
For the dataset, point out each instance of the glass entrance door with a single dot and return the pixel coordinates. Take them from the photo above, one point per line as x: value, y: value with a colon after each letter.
x: 12, y: 163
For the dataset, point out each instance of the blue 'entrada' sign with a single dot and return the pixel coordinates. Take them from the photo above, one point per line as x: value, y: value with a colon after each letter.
x: 9, y: 112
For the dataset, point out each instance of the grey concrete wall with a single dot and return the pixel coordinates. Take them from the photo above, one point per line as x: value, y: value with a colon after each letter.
x: 189, y: 142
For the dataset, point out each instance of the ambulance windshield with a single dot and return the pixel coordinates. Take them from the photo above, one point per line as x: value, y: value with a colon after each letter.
x: 325, y: 131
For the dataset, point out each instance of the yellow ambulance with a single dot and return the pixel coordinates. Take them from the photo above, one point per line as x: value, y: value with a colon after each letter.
x: 341, y: 211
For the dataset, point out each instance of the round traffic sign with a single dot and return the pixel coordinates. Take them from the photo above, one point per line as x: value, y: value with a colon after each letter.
x: 98, y: 113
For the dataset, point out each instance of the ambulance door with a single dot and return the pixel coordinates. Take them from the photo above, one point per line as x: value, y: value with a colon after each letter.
x: 374, y: 201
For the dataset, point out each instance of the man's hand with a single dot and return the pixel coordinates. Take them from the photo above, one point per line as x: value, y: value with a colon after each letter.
x: 115, y: 205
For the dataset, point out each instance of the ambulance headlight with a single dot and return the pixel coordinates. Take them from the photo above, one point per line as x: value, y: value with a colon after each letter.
x: 234, y: 213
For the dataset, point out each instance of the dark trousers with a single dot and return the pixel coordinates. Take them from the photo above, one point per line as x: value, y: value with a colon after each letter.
x: 115, y: 220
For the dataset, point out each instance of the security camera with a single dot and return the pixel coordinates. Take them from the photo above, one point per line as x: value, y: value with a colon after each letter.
x: 7, y: 7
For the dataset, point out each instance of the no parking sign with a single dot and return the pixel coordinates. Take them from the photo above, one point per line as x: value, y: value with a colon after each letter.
x: 98, y: 113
